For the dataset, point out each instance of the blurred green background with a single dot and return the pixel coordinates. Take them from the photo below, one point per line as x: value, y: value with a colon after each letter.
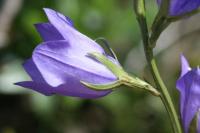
x: 123, y: 111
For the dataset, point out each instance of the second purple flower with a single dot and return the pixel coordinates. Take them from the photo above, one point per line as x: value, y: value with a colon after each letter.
x: 189, y: 87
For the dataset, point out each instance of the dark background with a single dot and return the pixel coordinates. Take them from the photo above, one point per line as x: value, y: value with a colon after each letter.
x: 123, y: 111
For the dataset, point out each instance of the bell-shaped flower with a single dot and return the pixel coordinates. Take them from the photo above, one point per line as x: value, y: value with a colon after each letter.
x: 61, y: 61
x: 180, y: 7
x: 189, y: 87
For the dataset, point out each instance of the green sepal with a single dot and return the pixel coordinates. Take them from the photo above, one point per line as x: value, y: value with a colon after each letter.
x: 101, y: 87
x: 123, y: 78
x: 114, y: 68
x: 194, y: 123
x: 135, y: 82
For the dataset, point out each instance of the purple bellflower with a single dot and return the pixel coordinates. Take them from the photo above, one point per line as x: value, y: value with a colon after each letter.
x: 60, y: 62
x: 189, y: 87
x: 180, y: 7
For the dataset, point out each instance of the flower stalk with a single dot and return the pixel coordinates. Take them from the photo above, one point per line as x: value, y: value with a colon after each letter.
x: 139, y: 7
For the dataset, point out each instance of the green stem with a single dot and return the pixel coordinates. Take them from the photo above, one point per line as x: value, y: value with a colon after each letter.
x: 165, y: 97
x: 139, y: 7
x: 157, y: 29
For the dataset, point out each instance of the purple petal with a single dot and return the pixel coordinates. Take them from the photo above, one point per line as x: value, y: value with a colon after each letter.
x: 71, y: 34
x: 48, y: 32
x: 179, y: 7
x: 185, y: 67
x: 69, y: 21
x: 72, y: 88
x: 32, y: 70
x: 71, y: 85
x: 37, y: 86
x: 189, y: 87
x: 58, y: 60
x: 63, y: 19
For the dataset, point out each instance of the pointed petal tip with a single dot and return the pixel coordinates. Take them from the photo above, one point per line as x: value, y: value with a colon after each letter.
x: 25, y: 62
x: 198, y: 70
x: 47, y: 9
x: 38, y: 87
x: 185, y: 67
x: 17, y: 83
x: 37, y: 24
x: 21, y: 83
x: 56, y: 17
x: 182, y: 56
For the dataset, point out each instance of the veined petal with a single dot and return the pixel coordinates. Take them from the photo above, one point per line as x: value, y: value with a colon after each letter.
x: 71, y: 34
x: 58, y: 60
x: 63, y: 19
x: 71, y: 87
x: 189, y: 86
x: 48, y: 32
